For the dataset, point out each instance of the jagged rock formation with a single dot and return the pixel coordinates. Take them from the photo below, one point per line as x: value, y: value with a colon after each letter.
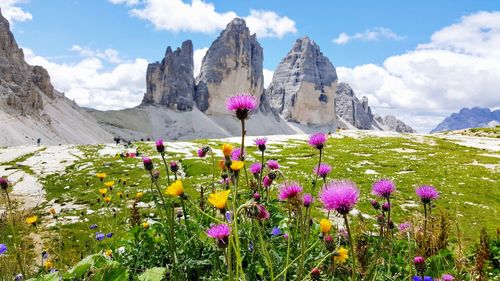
x: 30, y: 108
x: 391, y: 123
x: 232, y: 64
x: 171, y: 82
x: 304, y: 84
x: 350, y: 109
x: 468, y: 118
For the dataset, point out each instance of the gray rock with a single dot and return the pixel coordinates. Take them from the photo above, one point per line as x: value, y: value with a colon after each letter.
x: 349, y: 108
x: 232, y: 64
x: 171, y: 82
x: 393, y: 124
x: 303, y: 85
x: 468, y: 118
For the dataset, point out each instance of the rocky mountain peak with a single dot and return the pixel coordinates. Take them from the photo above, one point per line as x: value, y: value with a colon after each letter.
x: 304, y: 84
x: 468, y: 118
x: 171, y: 82
x: 350, y: 109
x: 232, y: 64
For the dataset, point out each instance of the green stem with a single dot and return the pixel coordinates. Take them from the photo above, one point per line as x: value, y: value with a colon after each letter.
x: 235, y: 229
x: 293, y: 261
x: 424, y: 240
x: 14, y: 235
x: 166, y: 167
x: 185, y: 216
x: 388, y: 229
x: 204, y: 213
x: 213, y: 170
x: 353, y: 255
x: 261, y: 173
x: 301, y: 264
x: 319, y: 163
x: 263, y: 247
x: 227, y: 254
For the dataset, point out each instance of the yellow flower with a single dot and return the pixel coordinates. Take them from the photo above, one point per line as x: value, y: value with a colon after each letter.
x: 108, y: 253
x: 139, y: 195
x: 237, y: 165
x: 119, y: 194
x: 103, y: 191
x: 219, y: 199
x: 175, y: 189
x: 227, y: 149
x: 341, y: 255
x: 109, y: 184
x: 48, y: 265
x: 145, y: 225
x: 325, y: 225
x: 52, y: 211
x: 101, y: 176
x: 107, y: 199
x: 31, y: 220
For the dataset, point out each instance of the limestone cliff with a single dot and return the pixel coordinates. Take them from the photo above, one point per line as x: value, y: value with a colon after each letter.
x: 350, y: 109
x: 304, y: 84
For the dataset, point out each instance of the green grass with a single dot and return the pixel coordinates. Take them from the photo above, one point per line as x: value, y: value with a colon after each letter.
x: 469, y: 191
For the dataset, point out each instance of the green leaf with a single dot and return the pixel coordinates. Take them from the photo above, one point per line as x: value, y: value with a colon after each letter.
x: 153, y: 274
x: 81, y: 267
x: 113, y: 272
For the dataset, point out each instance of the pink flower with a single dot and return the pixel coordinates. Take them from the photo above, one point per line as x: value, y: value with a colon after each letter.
x: 307, y: 199
x: 263, y: 213
x: 266, y: 181
x: 4, y: 183
x: 340, y: 196
x: 261, y: 143
x: 235, y: 155
x: 202, y: 152
x: 256, y: 168
x: 273, y: 165
x: 383, y: 188
x: 160, y: 147
x: 404, y: 227
x: 241, y: 104
x: 427, y: 193
x: 289, y: 191
x: 221, y: 233
x: 447, y: 277
x: 323, y: 170
x: 148, y: 163
x: 317, y: 140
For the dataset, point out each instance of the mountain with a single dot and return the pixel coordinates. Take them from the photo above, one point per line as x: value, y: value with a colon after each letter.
x: 468, y: 118
x: 30, y: 107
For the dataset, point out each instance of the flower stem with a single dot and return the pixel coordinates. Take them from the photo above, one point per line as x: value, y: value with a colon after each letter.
x: 302, y: 244
x: 352, y: 248
x: 166, y: 167
x: 213, y: 170
x: 424, y: 240
x: 14, y: 235
x: 388, y: 229
x: 319, y: 164
x: 261, y: 173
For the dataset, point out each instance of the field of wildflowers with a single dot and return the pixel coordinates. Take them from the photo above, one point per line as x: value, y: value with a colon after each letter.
x: 253, y: 210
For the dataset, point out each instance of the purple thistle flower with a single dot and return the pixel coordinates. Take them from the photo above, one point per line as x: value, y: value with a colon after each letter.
x: 173, y: 166
x: 160, y: 147
x: 241, y: 104
x: 273, y: 165
x: 383, y: 188
x: 3, y: 249
x: 447, y: 277
x: 340, y: 196
x: 201, y: 153
x: 4, y: 183
x: 99, y: 236
x: 256, y: 168
x: 148, y: 163
x: 289, y: 191
x: 93, y: 226
x: 256, y: 196
x: 404, y: 227
x: 427, y: 193
x: 307, y: 199
x: 261, y: 143
x: 323, y: 170
x: 236, y: 154
x: 266, y: 181
x: 263, y: 213
x: 386, y: 206
x: 375, y: 204
x: 317, y: 140
x: 276, y: 231
x: 220, y: 232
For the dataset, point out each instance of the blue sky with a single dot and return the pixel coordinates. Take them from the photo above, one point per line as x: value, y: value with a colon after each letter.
x: 372, y: 44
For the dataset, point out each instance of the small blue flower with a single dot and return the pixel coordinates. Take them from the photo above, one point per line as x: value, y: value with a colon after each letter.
x: 45, y: 255
x: 276, y: 231
x: 250, y: 247
x: 19, y: 277
x: 228, y: 216
x: 94, y: 226
x: 3, y: 249
x: 99, y: 236
x: 419, y: 278
x: 109, y: 235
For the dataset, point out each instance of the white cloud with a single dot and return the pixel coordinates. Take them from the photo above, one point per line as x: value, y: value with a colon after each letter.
x: 268, y: 77
x: 201, y: 16
x: 374, y: 34
x: 12, y: 12
x: 457, y: 68
x: 269, y: 24
x: 91, y: 85
x: 198, y: 58
x: 110, y: 55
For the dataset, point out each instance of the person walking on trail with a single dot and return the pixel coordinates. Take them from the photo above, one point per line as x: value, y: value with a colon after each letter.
x: 38, y: 141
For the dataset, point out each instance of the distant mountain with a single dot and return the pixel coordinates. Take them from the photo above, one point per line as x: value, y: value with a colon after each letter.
x: 30, y: 107
x: 469, y: 118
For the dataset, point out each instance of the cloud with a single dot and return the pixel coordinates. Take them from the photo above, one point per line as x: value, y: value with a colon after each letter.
x: 91, y: 84
x: 457, y: 68
x: 268, y: 77
x: 12, y: 12
x: 198, y: 56
x: 200, y: 16
x: 110, y: 55
x: 374, y: 34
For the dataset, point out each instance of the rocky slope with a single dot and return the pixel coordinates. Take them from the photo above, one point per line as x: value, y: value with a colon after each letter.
x: 469, y: 118
x: 304, y: 84
x: 30, y: 108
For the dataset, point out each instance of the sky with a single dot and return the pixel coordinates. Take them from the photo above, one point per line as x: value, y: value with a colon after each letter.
x: 417, y: 60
